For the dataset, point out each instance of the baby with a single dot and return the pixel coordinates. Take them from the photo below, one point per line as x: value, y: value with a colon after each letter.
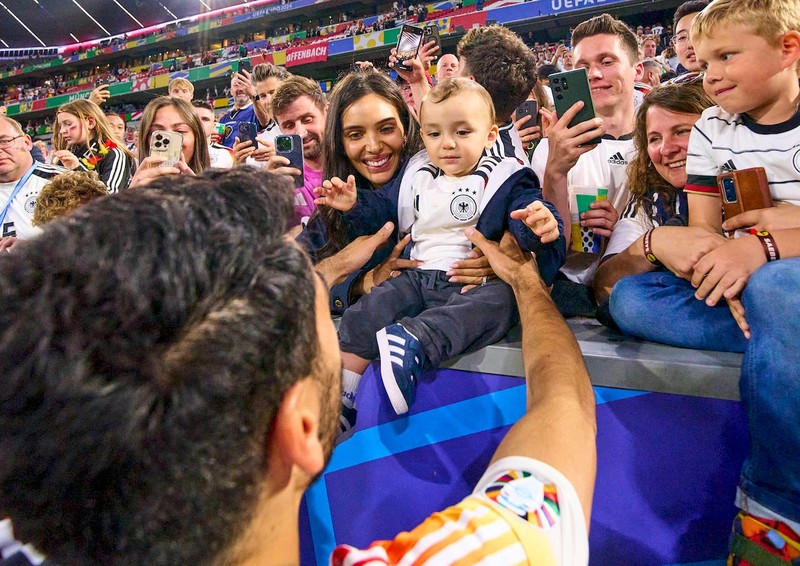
x: 418, y: 319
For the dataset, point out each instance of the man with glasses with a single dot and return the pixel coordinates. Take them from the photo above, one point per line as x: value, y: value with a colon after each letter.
x: 684, y: 16
x: 21, y: 179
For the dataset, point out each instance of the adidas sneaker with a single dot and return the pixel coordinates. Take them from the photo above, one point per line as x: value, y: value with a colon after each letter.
x: 402, y: 359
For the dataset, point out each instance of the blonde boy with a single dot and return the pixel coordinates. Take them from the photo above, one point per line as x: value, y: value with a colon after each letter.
x: 418, y: 318
x: 181, y: 88
x: 750, y: 51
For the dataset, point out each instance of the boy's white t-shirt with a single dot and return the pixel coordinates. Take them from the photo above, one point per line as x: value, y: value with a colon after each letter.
x: 722, y: 142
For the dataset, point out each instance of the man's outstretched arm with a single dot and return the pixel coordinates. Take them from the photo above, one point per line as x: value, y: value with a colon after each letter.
x: 559, y: 427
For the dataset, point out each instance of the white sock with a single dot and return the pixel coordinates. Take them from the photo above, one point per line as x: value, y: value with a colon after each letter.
x: 350, y: 382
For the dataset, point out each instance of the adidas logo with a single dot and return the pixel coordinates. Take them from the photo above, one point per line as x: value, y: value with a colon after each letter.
x: 617, y: 159
x: 728, y: 166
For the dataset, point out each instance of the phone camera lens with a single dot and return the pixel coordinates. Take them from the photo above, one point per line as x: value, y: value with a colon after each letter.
x: 284, y: 144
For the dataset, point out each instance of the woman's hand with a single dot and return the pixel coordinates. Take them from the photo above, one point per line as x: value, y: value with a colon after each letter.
x: 242, y: 150
x: 150, y: 168
x: 66, y: 158
x: 337, y: 194
x: 724, y: 272
x: 781, y: 217
x: 390, y: 267
x: 679, y: 248
x: 540, y: 220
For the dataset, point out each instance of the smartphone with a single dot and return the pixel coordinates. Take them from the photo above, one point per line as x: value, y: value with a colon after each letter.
x: 290, y: 146
x: 528, y: 108
x: 432, y: 33
x: 247, y: 131
x: 168, y: 144
x: 408, y: 45
x: 568, y: 88
x: 743, y: 190
x: 244, y: 65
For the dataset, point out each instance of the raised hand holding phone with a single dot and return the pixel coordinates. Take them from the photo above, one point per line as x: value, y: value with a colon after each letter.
x: 337, y: 194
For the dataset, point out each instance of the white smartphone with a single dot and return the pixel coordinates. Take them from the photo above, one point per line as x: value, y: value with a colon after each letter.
x: 168, y: 144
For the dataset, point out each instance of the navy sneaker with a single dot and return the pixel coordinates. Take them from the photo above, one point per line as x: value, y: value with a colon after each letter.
x: 347, y: 423
x: 402, y: 359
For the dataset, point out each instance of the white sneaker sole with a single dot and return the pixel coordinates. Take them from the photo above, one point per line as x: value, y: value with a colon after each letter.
x: 387, y: 375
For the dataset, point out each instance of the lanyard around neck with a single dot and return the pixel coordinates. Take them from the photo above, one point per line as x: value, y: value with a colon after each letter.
x: 14, y: 193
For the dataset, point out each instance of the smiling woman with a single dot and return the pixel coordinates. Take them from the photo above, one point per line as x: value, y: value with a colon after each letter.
x: 656, y: 178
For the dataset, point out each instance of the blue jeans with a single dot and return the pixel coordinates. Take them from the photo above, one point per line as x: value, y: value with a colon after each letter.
x: 661, y: 307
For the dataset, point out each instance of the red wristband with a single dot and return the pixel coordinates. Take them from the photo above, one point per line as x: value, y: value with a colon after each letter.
x: 648, y: 249
x: 768, y: 243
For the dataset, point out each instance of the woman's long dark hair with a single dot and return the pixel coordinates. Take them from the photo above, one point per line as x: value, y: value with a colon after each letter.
x: 643, y: 180
x: 348, y: 90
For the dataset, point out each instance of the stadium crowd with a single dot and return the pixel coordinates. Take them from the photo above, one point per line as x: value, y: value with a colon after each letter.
x: 181, y: 345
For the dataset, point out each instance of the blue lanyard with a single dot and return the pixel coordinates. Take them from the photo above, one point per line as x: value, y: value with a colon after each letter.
x: 14, y: 193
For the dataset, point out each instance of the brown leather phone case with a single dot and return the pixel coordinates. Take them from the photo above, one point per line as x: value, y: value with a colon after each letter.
x: 743, y: 190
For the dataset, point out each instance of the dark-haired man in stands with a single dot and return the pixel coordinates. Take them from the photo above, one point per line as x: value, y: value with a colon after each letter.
x: 684, y: 16
x: 177, y: 415
x: 567, y: 163
x: 252, y: 93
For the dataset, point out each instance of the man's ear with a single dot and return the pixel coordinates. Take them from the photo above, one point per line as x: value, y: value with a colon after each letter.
x: 494, y: 131
x: 295, y: 435
x: 639, y: 72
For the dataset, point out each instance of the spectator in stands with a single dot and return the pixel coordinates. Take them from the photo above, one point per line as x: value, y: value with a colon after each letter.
x: 649, y: 48
x: 266, y: 79
x: 181, y: 88
x: 83, y: 139
x: 17, y: 164
x: 219, y: 388
x: 299, y: 107
x: 446, y: 67
x: 243, y: 93
x: 657, y: 213
x: 419, y: 313
x: 651, y: 72
x: 750, y: 52
x: 684, y: 16
x: 41, y: 145
x: 220, y: 157
x: 172, y: 115
x: 566, y: 163
x: 543, y: 76
x: 370, y: 134
x: 66, y: 192
x: 117, y: 126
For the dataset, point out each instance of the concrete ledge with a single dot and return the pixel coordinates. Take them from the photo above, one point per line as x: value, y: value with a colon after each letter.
x: 614, y: 360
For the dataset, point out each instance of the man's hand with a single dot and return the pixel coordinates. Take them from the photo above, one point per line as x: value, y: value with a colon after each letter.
x: 679, y: 248
x: 472, y: 271
x: 241, y: 79
x: 278, y: 164
x: 508, y: 261
x: 336, y: 268
x: 264, y: 151
x: 417, y: 73
x: 781, y: 217
x: 7, y: 243
x: 601, y: 218
x: 724, y: 272
x: 568, y: 144
x: 427, y: 53
x: 540, y: 220
x: 527, y: 135
x: 100, y: 95
x: 337, y: 194
x: 242, y: 150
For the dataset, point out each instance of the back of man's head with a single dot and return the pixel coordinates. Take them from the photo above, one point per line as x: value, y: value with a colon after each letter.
x: 497, y: 58
x: 147, y: 341
x: 605, y: 24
